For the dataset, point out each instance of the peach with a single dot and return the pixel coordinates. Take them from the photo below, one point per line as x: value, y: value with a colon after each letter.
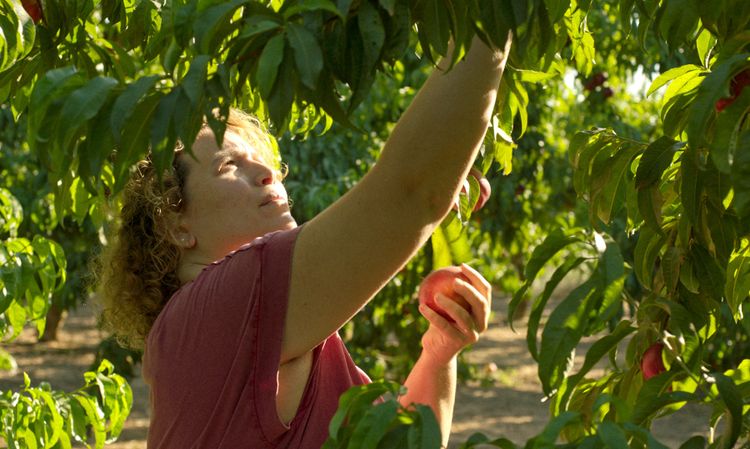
x: 738, y: 83
x: 441, y: 281
x: 484, y: 189
x: 652, y: 363
x: 34, y: 9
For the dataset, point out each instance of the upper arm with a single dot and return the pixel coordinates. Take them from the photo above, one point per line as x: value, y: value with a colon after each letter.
x: 348, y: 252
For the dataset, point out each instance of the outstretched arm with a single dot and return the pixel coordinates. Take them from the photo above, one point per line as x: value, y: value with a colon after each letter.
x: 347, y: 253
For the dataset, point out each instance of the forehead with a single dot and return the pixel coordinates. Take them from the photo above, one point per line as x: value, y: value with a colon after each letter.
x: 206, y: 151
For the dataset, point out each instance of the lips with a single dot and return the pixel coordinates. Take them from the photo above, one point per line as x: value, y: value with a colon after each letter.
x: 272, y: 198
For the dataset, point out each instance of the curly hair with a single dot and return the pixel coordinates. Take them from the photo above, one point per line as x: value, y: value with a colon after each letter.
x: 136, y: 271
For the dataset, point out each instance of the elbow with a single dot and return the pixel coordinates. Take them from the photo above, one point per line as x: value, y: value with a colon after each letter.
x: 433, y: 201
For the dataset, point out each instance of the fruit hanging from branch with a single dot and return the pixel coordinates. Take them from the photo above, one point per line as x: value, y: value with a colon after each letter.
x: 739, y: 82
x: 34, y: 9
x: 652, y: 363
x: 485, y: 190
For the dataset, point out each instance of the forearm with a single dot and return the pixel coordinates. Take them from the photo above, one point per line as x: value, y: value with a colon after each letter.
x: 433, y: 383
x: 439, y: 136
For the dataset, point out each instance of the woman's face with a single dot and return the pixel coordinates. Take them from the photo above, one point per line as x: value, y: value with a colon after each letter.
x: 233, y: 196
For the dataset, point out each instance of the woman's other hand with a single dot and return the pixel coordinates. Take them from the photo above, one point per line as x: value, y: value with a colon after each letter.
x: 443, y: 339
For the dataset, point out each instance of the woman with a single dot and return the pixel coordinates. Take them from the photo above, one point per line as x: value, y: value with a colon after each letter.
x: 239, y: 308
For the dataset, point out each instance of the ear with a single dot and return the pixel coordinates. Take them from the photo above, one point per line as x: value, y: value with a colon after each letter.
x: 178, y: 230
x: 179, y: 233
x: 182, y: 237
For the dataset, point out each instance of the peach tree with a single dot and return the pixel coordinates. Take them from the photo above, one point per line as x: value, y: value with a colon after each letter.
x: 662, y: 248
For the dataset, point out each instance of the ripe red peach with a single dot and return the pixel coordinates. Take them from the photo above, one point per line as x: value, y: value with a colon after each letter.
x: 441, y: 281
x: 738, y: 83
x: 34, y: 9
x: 652, y: 363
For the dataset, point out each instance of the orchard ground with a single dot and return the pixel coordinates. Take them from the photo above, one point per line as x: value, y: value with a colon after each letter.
x: 511, y: 408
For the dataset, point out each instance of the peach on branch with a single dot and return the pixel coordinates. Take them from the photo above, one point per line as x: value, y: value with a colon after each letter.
x: 485, y: 190
x: 652, y: 363
x: 739, y: 82
x: 34, y: 9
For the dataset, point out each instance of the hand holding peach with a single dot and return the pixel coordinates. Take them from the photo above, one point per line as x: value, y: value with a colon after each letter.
x: 456, y: 301
x: 441, y: 282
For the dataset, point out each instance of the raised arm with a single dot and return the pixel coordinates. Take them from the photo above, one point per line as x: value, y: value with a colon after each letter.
x: 347, y: 253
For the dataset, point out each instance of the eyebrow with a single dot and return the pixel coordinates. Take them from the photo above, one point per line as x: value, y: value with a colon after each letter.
x: 222, y: 154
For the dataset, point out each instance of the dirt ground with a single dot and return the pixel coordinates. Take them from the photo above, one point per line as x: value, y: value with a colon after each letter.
x: 512, y: 408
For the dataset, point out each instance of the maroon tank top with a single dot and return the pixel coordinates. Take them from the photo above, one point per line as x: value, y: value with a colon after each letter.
x: 212, y: 358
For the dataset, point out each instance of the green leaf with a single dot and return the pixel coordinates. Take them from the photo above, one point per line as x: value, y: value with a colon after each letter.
x: 137, y: 129
x: 163, y: 136
x: 670, y: 267
x: 450, y: 243
x: 650, y: 202
x: 312, y: 5
x: 598, y: 350
x: 548, y: 437
x: 612, y: 435
x: 710, y: 275
x: 94, y: 416
x: 307, y: 54
x: 268, y: 64
x: 214, y: 21
x: 655, y: 159
x: 425, y: 435
x: 740, y: 178
x: 732, y: 398
x: 82, y: 105
x: 434, y: 27
x: 125, y: 104
x: 678, y: 21
x: 477, y: 439
x: 608, y: 177
x: 499, y: 17
x: 537, y: 308
x: 651, y: 397
x: 713, y: 87
x: 257, y: 25
x: 373, y: 35
x: 7, y: 361
x: 704, y: 44
x: 727, y: 131
x: 737, y: 287
x: 194, y: 83
x: 691, y: 186
x: 551, y: 245
x: 561, y: 335
x: 11, y: 213
x: 369, y: 431
x: 533, y: 76
x: 357, y: 401
x: 647, y: 249
x: 671, y: 75
x: 44, y: 93
x: 282, y: 95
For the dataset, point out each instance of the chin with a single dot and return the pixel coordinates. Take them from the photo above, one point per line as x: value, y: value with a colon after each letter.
x: 284, y: 223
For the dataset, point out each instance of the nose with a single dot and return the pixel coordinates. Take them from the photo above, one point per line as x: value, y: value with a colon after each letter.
x: 266, y: 176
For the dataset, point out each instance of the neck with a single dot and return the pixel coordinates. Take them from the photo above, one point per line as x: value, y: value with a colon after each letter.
x: 190, y: 267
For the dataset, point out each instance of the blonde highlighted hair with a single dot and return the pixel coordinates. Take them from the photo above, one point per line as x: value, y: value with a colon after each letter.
x: 136, y: 272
